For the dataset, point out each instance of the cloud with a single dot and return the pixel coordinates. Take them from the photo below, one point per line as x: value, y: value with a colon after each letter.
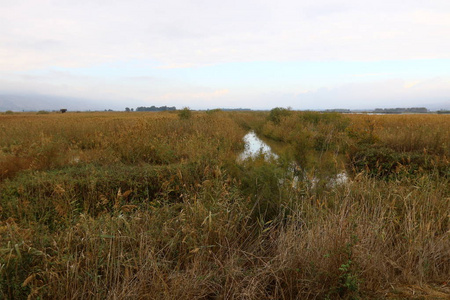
x: 364, y: 95
x: 141, y: 79
x: 37, y: 34
x: 411, y: 84
x: 176, y: 66
x: 195, y: 96
x: 237, y: 52
x: 371, y: 74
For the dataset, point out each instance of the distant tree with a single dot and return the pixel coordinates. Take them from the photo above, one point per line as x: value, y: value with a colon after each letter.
x: 400, y: 110
x: 127, y: 109
x: 63, y: 110
x: 443, y: 111
x: 154, y: 108
x: 132, y: 109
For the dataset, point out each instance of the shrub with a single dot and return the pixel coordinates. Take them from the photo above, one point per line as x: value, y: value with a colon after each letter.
x: 213, y: 111
x: 384, y: 163
x: 278, y: 113
x: 185, y: 113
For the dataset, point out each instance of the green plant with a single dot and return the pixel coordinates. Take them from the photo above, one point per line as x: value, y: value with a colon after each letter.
x: 214, y: 111
x: 348, y: 280
x: 278, y: 113
x: 185, y: 113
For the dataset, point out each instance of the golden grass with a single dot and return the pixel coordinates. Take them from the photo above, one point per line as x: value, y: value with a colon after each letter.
x: 151, y: 206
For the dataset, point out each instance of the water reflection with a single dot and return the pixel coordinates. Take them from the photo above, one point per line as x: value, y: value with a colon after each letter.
x: 339, y: 179
x: 254, y: 146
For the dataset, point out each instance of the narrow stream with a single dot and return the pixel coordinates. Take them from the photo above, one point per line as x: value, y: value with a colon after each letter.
x: 254, y: 147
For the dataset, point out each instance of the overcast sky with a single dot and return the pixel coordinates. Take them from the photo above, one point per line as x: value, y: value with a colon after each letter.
x: 310, y: 54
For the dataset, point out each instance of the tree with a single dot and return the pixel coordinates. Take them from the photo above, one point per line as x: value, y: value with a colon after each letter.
x: 127, y: 109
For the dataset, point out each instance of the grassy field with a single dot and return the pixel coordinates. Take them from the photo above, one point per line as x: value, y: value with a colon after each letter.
x: 156, y: 206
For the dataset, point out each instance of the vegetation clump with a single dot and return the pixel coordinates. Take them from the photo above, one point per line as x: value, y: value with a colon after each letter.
x: 185, y: 113
x: 277, y: 113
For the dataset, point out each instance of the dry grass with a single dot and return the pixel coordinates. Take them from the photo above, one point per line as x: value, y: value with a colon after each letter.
x: 151, y: 206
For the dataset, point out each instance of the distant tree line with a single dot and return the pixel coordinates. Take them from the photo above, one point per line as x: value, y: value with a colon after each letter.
x: 339, y: 110
x: 415, y: 110
x: 443, y: 111
x: 154, y: 108
x: 235, y: 109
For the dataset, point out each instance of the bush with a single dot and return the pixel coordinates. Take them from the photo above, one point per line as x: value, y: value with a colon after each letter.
x: 213, y: 111
x: 384, y: 163
x: 185, y: 113
x: 278, y: 113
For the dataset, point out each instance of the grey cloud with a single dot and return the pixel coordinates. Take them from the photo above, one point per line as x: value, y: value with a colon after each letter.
x: 81, y: 33
x: 43, y: 45
x: 39, y: 35
x: 141, y: 78
x: 388, y: 93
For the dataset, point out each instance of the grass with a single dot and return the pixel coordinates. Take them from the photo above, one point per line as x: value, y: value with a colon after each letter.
x: 152, y: 205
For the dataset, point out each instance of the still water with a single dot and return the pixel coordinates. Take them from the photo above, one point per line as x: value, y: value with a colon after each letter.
x: 254, y: 146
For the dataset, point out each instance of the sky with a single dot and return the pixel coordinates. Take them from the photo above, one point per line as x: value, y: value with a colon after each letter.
x: 311, y: 54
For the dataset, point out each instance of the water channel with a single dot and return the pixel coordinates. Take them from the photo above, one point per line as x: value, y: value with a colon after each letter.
x: 254, y: 147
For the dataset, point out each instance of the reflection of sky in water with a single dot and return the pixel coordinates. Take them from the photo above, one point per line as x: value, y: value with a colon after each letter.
x: 340, y: 178
x: 254, y: 146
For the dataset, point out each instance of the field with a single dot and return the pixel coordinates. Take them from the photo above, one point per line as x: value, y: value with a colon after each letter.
x: 157, y: 206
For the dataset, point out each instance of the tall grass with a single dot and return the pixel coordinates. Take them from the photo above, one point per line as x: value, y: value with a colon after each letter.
x: 151, y: 206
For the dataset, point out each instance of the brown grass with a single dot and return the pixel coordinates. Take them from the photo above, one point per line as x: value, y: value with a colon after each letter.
x: 151, y: 206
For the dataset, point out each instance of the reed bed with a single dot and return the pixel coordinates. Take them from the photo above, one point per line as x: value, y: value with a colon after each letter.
x: 156, y: 206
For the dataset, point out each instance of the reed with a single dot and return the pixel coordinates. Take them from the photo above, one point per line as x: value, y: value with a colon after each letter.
x: 154, y: 206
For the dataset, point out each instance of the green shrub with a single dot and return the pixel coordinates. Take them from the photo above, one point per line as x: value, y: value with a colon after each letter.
x: 213, y: 111
x: 185, y: 113
x: 278, y: 113
x: 384, y: 163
